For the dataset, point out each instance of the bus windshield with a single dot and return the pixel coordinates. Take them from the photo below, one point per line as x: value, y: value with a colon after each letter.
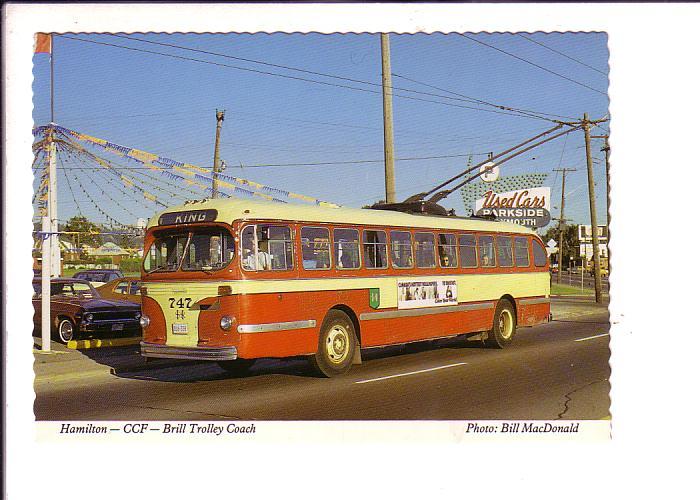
x: 200, y: 249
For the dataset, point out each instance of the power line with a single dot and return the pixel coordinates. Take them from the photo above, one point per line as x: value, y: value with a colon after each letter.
x: 308, y: 80
x: 533, y: 64
x: 480, y: 101
x: 561, y: 54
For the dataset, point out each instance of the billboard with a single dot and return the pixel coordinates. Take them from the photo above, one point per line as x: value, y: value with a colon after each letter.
x: 527, y: 207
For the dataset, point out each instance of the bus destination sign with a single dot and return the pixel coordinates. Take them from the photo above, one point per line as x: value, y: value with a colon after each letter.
x: 187, y: 217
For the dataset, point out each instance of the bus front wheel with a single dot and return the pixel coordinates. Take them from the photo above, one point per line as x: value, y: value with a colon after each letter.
x: 504, y: 324
x: 336, y: 345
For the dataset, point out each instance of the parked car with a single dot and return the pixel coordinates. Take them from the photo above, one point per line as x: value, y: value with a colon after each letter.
x: 122, y: 289
x: 98, y: 276
x: 78, y: 310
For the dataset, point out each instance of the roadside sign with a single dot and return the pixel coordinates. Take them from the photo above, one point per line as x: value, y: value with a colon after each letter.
x: 491, y: 175
x: 551, y: 243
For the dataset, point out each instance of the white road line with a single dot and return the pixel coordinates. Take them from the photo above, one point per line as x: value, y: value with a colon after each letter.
x: 593, y: 337
x: 409, y: 373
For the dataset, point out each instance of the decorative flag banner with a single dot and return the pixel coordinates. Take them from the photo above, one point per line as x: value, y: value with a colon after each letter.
x: 160, y: 163
x: 42, y: 43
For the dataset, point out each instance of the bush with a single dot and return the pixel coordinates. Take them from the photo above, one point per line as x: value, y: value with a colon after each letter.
x: 130, y: 265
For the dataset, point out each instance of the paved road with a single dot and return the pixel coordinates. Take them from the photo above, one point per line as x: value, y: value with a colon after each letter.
x: 550, y: 371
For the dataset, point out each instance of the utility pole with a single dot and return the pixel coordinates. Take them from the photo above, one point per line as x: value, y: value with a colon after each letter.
x: 562, y: 219
x: 389, y: 179
x: 215, y: 173
x: 606, y: 149
x: 594, y: 218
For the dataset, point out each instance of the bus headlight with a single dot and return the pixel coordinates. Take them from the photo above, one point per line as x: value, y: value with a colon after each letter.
x: 144, y: 321
x: 226, y: 322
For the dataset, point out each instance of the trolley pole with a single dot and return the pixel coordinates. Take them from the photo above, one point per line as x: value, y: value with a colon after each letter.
x: 562, y: 219
x: 594, y: 218
x: 215, y: 172
x: 389, y: 179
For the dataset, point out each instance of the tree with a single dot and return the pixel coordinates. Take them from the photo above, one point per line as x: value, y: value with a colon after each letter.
x: 571, y: 243
x: 81, y: 224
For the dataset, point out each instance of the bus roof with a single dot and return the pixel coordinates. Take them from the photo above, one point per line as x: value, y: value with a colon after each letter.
x: 232, y: 209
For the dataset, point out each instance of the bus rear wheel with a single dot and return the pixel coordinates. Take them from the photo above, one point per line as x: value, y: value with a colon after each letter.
x: 504, y: 325
x: 237, y: 367
x: 336, y: 345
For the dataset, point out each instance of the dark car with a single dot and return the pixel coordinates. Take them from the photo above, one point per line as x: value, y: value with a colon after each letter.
x: 78, y: 310
x: 99, y: 275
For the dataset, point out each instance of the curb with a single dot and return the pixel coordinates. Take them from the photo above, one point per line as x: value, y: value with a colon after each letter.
x: 95, y: 343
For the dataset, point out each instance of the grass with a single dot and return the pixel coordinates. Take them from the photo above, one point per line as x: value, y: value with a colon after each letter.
x: 559, y: 289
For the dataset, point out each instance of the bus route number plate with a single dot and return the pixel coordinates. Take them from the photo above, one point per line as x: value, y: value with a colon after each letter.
x: 180, y: 328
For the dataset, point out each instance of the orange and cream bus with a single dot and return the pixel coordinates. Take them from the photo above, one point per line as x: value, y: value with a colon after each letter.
x: 233, y: 280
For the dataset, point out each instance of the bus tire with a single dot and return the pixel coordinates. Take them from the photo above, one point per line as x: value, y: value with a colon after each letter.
x: 65, y: 331
x: 504, y: 325
x: 337, y: 342
x: 237, y: 367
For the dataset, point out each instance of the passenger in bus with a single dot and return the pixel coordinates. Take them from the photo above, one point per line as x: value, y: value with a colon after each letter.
x: 264, y: 258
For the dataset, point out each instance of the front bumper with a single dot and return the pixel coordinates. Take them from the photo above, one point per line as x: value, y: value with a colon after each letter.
x: 107, y: 326
x: 149, y: 350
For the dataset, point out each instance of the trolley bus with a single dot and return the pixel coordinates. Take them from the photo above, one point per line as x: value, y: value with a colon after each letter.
x: 232, y: 280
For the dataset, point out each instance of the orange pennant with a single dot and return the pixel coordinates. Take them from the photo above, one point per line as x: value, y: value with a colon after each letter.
x: 42, y: 43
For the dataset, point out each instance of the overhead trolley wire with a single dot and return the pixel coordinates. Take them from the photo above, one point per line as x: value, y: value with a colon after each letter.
x: 561, y: 54
x: 533, y: 64
x: 318, y: 82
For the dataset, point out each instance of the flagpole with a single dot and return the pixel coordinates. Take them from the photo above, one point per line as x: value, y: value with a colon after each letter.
x: 51, y: 61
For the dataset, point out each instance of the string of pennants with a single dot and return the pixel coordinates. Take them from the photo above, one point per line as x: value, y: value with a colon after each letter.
x: 184, y: 173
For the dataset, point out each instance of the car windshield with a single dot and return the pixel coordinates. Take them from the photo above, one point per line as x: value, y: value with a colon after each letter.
x: 68, y: 289
x: 201, y: 249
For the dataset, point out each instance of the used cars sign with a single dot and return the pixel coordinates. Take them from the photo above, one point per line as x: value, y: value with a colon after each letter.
x: 527, y: 207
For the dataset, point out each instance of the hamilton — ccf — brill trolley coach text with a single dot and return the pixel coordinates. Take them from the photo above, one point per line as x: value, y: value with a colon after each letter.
x: 233, y: 280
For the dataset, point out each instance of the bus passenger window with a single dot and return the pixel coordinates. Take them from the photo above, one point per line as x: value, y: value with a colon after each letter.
x: 487, y: 255
x: 539, y: 254
x: 467, y: 250
x: 273, y: 251
x: 401, y: 250
x: 505, y: 251
x: 346, y: 246
x: 316, y: 247
x: 374, y: 248
x: 447, y: 248
x: 522, y: 255
x: 425, y: 250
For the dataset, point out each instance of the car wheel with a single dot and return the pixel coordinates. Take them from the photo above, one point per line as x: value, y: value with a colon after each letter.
x: 65, y: 331
x: 237, y: 367
x: 504, y: 325
x: 336, y: 345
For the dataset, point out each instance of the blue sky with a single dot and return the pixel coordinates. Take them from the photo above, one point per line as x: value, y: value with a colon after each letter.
x: 167, y: 106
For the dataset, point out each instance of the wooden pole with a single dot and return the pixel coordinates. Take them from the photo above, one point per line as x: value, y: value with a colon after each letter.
x: 389, y: 178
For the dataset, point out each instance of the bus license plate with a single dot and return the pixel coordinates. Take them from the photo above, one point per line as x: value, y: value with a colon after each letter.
x: 117, y: 327
x: 180, y: 328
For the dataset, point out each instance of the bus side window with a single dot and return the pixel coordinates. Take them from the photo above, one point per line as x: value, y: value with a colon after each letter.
x: 248, y: 249
x: 487, y: 257
x: 316, y: 247
x: 425, y: 250
x: 539, y: 254
x: 505, y: 251
x: 279, y: 246
x: 522, y: 255
x: 447, y: 248
x: 346, y: 246
x: 467, y: 250
x: 401, y: 250
x: 374, y: 245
